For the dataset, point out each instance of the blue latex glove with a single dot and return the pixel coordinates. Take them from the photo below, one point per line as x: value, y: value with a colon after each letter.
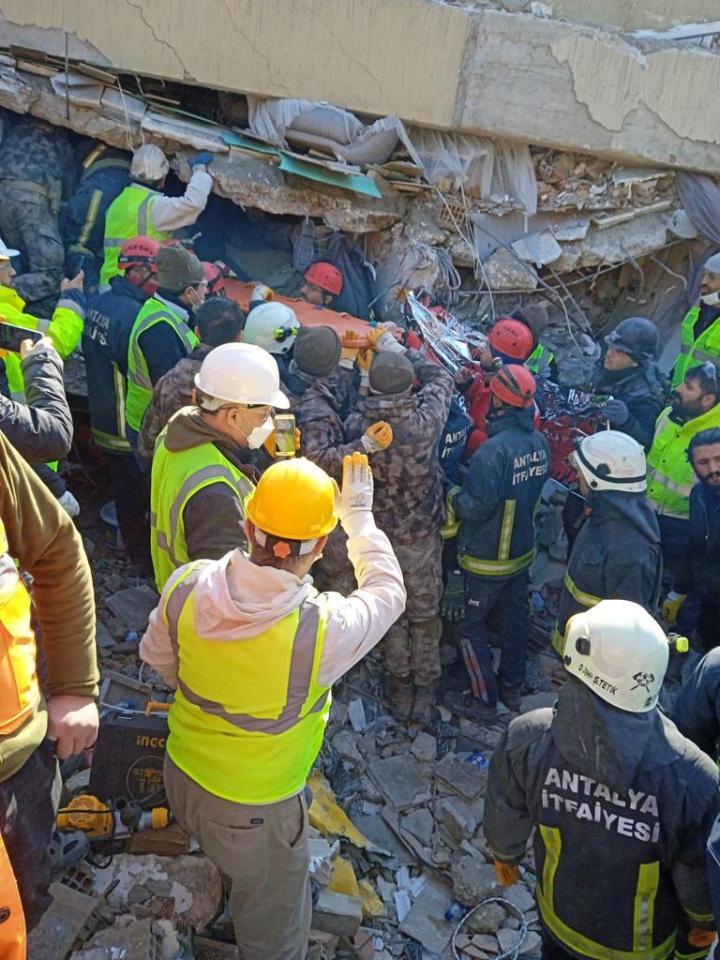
x: 202, y: 159
x: 616, y: 412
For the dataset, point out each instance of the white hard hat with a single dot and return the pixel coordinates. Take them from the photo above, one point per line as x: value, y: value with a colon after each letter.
x: 611, y: 460
x: 272, y: 326
x: 620, y: 652
x: 240, y: 373
x: 712, y: 264
x: 6, y: 253
x: 149, y: 163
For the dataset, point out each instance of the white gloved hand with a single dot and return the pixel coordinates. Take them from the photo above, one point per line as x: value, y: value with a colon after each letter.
x: 69, y: 504
x: 262, y: 292
x: 388, y: 344
x: 356, y: 495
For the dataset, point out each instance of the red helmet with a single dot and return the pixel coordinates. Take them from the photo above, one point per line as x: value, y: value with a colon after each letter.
x: 514, y: 385
x: 138, y: 252
x: 215, y: 276
x: 325, y: 276
x: 511, y: 338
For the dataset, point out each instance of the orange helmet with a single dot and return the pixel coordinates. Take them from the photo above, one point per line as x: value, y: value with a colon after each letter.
x: 138, y: 252
x: 514, y: 385
x: 325, y: 276
x: 511, y: 338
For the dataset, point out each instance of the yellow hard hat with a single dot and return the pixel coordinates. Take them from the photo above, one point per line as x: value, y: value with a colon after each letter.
x: 294, y: 499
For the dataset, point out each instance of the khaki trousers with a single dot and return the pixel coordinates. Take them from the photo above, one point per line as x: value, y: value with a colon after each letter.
x: 262, y: 853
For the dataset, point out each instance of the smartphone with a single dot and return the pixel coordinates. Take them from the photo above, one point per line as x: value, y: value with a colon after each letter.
x: 11, y: 336
x: 284, y: 435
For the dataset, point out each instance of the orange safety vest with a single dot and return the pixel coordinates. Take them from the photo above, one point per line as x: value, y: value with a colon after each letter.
x: 19, y: 688
x: 12, y: 918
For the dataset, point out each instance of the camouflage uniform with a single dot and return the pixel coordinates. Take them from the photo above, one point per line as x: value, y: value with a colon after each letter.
x: 172, y: 391
x: 409, y: 508
x: 36, y: 166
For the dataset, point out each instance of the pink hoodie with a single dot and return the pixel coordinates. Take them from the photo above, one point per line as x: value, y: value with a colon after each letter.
x: 235, y: 598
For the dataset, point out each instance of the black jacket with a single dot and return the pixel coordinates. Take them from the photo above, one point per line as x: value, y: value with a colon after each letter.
x: 40, y: 429
x: 108, y: 323
x: 623, y: 804
x: 642, y: 389
x: 495, y: 506
x: 616, y: 555
x: 701, y: 570
x: 697, y: 709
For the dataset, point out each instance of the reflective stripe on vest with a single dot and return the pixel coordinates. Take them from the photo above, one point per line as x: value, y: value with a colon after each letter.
x: 128, y: 216
x: 19, y: 690
x: 451, y: 525
x: 643, y: 910
x: 258, y: 755
x: 694, y: 351
x: 140, y: 386
x: 583, y: 598
x: 496, y: 568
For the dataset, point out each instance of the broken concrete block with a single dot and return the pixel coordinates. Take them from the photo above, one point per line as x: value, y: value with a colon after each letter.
x: 420, y: 824
x: 136, y: 941
x: 531, y: 944
x: 473, y: 880
x: 356, y: 715
x: 462, y: 777
x: 61, y: 924
x: 345, y: 743
x: 426, y: 921
x: 193, y: 895
x: 132, y: 606
x: 424, y: 747
x: 510, y: 940
x: 337, y: 914
x: 103, y: 637
x: 206, y: 949
x: 398, y: 779
x: 485, y: 942
x: 457, y: 818
x: 488, y: 919
x: 505, y: 271
x: 520, y: 896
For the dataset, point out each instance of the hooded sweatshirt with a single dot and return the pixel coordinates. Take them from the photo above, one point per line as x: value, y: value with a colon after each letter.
x: 623, y: 805
x: 642, y: 389
x: 616, y: 555
x: 235, y: 598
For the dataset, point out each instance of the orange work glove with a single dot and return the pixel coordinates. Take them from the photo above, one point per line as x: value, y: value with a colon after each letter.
x: 349, y: 353
x: 364, y: 360
x: 270, y: 443
x: 507, y: 874
x: 378, y: 436
x: 701, y: 939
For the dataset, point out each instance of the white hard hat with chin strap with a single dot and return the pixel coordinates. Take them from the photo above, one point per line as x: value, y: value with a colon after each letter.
x: 620, y: 652
x: 611, y: 460
x: 240, y: 373
x: 712, y: 265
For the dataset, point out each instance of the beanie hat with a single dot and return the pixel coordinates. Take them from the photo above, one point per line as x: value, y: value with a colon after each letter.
x: 178, y: 268
x: 391, y: 373
x: 317, y: 350
x: 535, y: 316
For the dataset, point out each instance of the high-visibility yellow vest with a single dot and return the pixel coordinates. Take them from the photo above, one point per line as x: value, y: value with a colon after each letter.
x: 670, y: 475
x: 128, y: 216
x: 249, y: 715
x: 176, y: 477
x: 19, y: 689
x: 694, y: 352
x: 139, y: 384
x: 539, y: 361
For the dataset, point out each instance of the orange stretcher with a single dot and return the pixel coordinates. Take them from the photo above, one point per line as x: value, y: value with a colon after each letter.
x: 307, y: 314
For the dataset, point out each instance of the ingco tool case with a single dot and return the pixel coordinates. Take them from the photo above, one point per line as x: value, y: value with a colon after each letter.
x: 129, y: 756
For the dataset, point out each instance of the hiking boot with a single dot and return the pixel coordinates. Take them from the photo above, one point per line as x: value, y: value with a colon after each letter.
x: 510, y: 696
x: 399, y: 695
x: 426, y: 699
x: 463, y: 705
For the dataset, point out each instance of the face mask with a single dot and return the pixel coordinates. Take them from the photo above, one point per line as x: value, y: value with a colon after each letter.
x: 711, y: 299
x: 258, y: 435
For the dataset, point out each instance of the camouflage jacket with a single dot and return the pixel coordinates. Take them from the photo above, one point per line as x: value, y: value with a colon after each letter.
x: 317, y: 405
x: 408, y: 477
x: 33, y: 150
x: 172, y: 391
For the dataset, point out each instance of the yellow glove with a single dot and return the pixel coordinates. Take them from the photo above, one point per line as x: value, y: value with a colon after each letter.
x: 671, y: 607
x: 377, y: 437
x: 506, y: 873
x: 364, y: 360
x: 385, y: 338
x: 349, y: 353
x: 270, y: 443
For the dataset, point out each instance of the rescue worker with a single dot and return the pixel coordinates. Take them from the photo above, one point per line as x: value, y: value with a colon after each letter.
x: 143, y: 210
x: 405, y: 427
x: 323, y: 282
x: 273, y: 326
x: 616, y: 555
x: 162, y: 333
x: 106, y: 337
x: 37, y: 538
x: 699, y: 570
x: 630, y: 374
x: 700, y: 331
x: 696, y: 713
x: 201, y: 469
x: 620, y: 802
x: 106, y: 173
x: 671, y: 478
x: 541, y: 362
x: 492, y: 517
x: 217, y: 321
x: 256, y: 651
x: 509, y: 341
x: 37, y: 168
